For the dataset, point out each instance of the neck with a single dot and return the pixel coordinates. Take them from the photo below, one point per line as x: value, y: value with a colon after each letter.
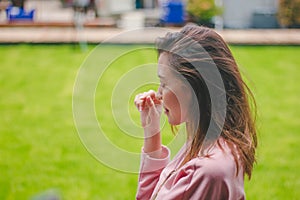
x: 189, y: 130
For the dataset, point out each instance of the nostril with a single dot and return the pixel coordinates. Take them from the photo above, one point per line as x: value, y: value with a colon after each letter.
x: 159, y: 96
x: 159, y: 93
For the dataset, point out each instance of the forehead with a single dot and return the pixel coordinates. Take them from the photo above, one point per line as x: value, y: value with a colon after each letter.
x: 164, y: 69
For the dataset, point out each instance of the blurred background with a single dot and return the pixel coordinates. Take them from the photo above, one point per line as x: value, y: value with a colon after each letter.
x: 45, y: 43
x: 139, y: 13
x: 93, y: 21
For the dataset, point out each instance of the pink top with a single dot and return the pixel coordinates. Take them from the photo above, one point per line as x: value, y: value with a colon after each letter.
x: 212, y: 177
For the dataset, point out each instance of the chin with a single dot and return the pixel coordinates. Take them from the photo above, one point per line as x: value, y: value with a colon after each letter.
x: 174, y: 122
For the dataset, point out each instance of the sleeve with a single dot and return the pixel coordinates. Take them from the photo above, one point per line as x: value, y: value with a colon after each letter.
x: 196, y: 183
x: 150, y: 170
x: 207, y: 185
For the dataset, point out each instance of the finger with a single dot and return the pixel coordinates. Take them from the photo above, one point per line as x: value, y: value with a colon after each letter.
x: 140, y: 95
x: 150, y: 104
x: 141, y: 106
x: 138, y: 102
x: 152, y: 94
x: 157, y: 101
x: 137, y: 97
x: 154, y: 114
x: 142, y: 100
x: 149, y: 93
x: 153, y: 103
x: 154, y: 97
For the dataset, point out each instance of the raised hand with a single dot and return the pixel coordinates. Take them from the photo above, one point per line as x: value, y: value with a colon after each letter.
x: 150, y: 107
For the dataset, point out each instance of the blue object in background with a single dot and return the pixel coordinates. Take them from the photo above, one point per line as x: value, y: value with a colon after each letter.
x: 173, y: 12
x: 16, y: 13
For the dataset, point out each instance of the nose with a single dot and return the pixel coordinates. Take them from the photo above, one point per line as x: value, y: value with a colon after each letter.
x: 159, y: 93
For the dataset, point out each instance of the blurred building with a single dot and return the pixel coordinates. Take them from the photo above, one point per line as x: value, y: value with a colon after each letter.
x: 113, y: 7
x: 236, y: 13
x: 249, y: 14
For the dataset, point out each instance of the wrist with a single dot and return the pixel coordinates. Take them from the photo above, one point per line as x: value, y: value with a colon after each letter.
x: 155, y: 154
x: 151, y: 131
x: 152, y: 145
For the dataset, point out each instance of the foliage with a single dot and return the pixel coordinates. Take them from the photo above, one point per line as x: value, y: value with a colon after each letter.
x: 289, y: 13
x: 18, y: 3
x: 202, y: 10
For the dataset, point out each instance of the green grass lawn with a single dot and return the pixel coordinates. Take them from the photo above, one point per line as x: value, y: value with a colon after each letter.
x: 40, y: 150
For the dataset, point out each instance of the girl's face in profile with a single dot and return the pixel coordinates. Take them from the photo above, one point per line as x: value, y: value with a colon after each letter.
x: 173, y: 91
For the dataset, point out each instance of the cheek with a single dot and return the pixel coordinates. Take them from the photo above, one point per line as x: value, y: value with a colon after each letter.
x: 171, y: 102
x: 178, y: 108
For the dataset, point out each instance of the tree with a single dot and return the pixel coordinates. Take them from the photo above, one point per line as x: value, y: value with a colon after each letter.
x: 202, y: 11
x: 18, y: 3
x: 289, y: 13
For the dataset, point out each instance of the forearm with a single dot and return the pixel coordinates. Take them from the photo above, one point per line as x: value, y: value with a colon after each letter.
x: 150, y: 108
x: 152, y: 145
x: 150, y: 171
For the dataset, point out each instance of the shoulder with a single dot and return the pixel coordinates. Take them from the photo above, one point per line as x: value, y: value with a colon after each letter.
x: 213, y: 177
x: 218, y: 165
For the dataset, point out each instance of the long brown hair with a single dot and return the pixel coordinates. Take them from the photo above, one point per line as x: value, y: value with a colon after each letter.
x: 238, y: 127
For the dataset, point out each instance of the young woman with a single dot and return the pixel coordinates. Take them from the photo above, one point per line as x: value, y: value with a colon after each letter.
x: 221, y: 135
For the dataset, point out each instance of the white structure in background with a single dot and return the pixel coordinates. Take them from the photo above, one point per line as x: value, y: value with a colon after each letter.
x: 132, y: 20
x: 218, y: 20
x: 129, y: 17
x: 236, y: 13
x: 239, y: 13
x: 112, y: 7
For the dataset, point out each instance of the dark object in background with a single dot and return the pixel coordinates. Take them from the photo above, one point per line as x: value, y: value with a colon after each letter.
x: 139, y: 4
x: 264, y: 19
x: 81, y: 5
x: 18, y: 3
x: 85, y: 5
